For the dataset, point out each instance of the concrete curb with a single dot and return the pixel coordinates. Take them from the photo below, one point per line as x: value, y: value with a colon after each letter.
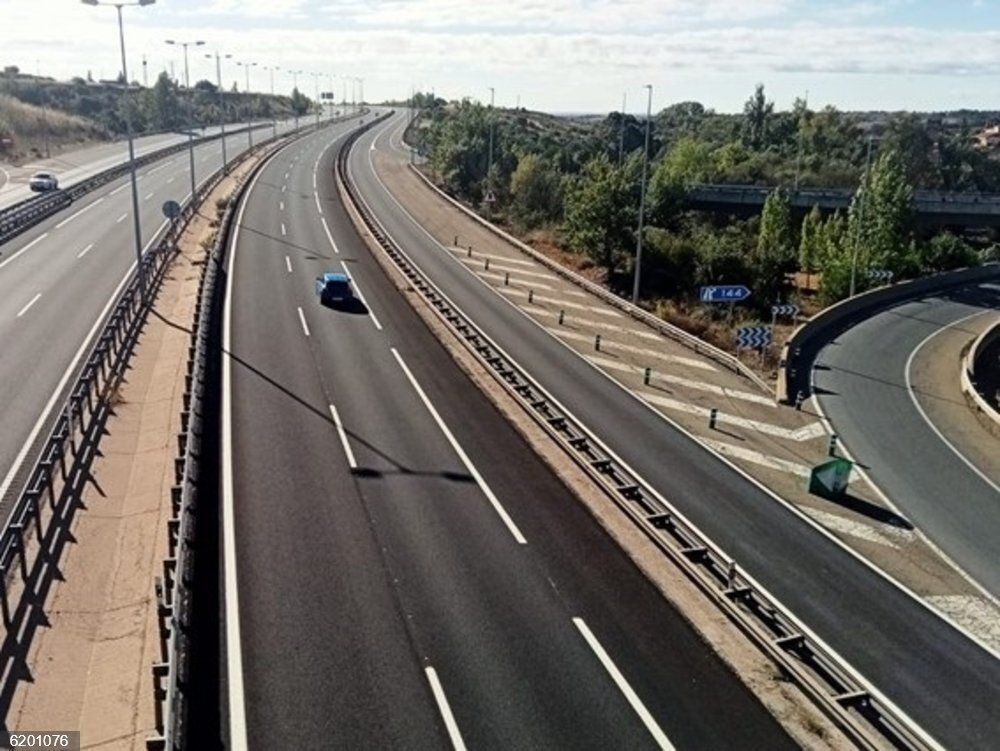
x: 969, y: 386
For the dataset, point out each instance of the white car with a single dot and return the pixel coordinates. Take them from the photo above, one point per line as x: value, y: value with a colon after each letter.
x: 42, y: 182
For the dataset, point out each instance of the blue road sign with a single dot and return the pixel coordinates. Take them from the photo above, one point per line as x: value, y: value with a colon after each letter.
x: 724, y: 293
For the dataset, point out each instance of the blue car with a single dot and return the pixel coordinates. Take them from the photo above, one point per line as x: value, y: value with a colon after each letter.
x: 334, y: 289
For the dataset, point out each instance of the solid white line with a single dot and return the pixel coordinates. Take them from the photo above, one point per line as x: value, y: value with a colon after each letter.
x: 26, y: 247
x: 361, y: 295
x: 283, y: 233
x: 913, y: 397
x: 24, y: 310
x: 302, y: 318
x: 319, y: 208
x: 71, y: 217
x: 288, y: 264
x: 19, y: 459
x: 343, y: 438
x: 501, y: 511
x: 442, y: 701
x: 787, y: 505
x: 329, y: 236
x: 623, y: 685
x: 121, y: 219
x: 234, y: 645
x: 84, y: 252
x: 119, y: 189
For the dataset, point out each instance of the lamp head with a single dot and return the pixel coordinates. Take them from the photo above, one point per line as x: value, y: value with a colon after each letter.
x: 89, y: 2
x: 146, y: 2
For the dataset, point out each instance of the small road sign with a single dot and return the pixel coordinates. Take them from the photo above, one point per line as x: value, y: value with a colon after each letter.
x: 754, y: 337
x: 881, y: 276
x: 171, y: 209
x: 724, y: 293
x: 785, y: 310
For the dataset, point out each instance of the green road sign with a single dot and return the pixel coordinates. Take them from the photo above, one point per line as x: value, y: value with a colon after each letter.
x: 830, y: 479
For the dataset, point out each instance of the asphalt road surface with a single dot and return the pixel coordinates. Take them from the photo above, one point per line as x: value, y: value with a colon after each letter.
x: 57, y: 282
x: 862, y: 381
x: 406, y: 572
x: 922, y: 663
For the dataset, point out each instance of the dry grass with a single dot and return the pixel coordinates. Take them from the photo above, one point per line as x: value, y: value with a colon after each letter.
x: 28, y: 126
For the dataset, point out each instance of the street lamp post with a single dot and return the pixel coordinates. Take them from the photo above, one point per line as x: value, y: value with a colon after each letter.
x: 489, y: 160
x: 642, y: 198
x: 316, y: 77
x: 274, y: 121
x: 222, y: 106
x: 246, y: 69
x: 187, y: 85
x: 295, y: 90
x: 128, y: 130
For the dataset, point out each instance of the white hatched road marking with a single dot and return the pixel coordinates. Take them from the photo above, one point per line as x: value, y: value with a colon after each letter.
x: 479, y: 264
x: 487, y: 491
x: 689, y: 362
x: 623, y: 685
x: 710, y: 388
x: 813, y: 430
x: 855, y: 529
x: 514, y: 282
x: 565, y: 303
x: 457, y: 250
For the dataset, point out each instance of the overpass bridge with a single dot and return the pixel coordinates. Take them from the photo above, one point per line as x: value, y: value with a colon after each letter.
x: 932, y: 208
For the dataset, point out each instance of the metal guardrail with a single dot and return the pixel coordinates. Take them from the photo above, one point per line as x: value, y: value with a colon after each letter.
x: 25, y: 214
x: 857, y: 708
x: 174, y: 590
x: 634, y: 311
x: 37, y: 527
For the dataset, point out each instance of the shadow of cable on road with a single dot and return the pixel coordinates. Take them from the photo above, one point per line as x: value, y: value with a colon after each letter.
x: 398, y: 467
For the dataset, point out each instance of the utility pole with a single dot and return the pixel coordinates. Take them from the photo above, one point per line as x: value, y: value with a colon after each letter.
x: 190, y: 107
x: 642, y: 198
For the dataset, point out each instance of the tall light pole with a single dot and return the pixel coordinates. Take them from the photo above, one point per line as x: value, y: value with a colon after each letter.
x: 246, y: 69
x: 798, y: 157
x: 361, y: 92
x: 295, y: 90
x: 222, y: 105
x: 316, y: 77
x: 274, y: 121
x: 621, y: 131
x: 866, y: 187
x: 190, y: 107
x: 128, y: 130
x: 642, y: 198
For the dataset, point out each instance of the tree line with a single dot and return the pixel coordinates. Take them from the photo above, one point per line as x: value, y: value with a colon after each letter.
x: 580, y: 181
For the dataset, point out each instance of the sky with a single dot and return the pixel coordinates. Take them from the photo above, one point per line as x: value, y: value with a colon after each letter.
x: 551, y: 55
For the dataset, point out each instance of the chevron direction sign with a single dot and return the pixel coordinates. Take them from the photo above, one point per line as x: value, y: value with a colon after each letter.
x: 754, y: 337
x: 724, y: 293
x: 882, y: 276
x: 785, y: 310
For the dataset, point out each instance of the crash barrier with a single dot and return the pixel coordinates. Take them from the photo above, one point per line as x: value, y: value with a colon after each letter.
x: 857, y: 708
x: 37, y: 526
x: 174, y: 593
x: 799, y: 352
x: 634, y: 311
x: 974, y: 362
x: 25, y: 214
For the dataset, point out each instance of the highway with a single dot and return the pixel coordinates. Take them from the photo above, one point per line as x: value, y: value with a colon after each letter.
x: 863, y: 383
x: 400, y: 569
x: 73, y: 166
x: 918, y: 660
x: 57, y: 282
